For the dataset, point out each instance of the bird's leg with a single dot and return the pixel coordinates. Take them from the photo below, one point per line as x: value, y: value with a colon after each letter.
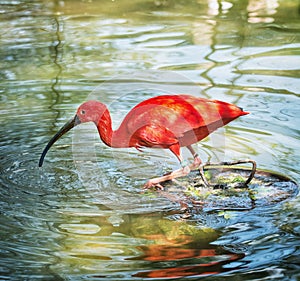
x: 155, y: 182
x: 197, y: 161
x: 185, y: 170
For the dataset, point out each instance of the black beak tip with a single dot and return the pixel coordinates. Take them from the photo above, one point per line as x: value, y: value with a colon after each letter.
x: 67, y: 127
x: 41, y: 161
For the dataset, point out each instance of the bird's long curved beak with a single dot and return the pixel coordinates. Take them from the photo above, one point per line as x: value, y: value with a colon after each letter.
x: 67, y: 127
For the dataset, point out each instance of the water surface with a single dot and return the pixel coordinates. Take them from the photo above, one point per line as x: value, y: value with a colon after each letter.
x: 83, y: 216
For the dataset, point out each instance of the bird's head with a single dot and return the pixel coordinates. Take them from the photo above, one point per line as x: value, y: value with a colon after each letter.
x: 90, y: 111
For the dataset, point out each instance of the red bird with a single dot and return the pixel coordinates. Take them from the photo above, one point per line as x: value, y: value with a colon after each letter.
x: 167, y: 121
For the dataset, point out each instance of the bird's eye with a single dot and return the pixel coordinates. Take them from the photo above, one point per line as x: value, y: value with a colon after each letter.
x: 82, y: 112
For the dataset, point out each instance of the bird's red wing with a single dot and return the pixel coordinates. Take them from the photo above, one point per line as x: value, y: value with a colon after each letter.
x: 213, y: 111
x: 153, y: 136
x: 166, y: 111
x: 182, y: 115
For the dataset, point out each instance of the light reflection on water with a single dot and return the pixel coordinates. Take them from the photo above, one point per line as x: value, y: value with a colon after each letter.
x: 80, y: 219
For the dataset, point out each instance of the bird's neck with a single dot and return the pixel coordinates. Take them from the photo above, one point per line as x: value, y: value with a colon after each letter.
x: 104, y: 127
x: 107, y: 135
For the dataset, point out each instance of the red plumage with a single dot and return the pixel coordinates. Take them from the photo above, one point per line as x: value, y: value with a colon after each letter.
x: 164, y: 121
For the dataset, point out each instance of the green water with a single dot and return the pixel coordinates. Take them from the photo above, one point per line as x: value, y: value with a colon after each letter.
x: 83, y: 215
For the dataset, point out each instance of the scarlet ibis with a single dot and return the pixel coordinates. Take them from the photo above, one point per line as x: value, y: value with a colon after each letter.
x: 166, y: 121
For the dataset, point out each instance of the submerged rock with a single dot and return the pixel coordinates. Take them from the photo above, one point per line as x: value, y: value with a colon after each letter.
x: 227, y: 190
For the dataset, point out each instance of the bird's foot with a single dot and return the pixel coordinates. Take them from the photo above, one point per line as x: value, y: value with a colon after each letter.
x: 153, y: 184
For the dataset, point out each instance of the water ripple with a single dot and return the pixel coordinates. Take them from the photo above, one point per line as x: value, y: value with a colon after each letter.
x: 83, y: 215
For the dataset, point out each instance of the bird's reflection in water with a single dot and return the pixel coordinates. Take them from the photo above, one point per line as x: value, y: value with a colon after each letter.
x: 174, y: 260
